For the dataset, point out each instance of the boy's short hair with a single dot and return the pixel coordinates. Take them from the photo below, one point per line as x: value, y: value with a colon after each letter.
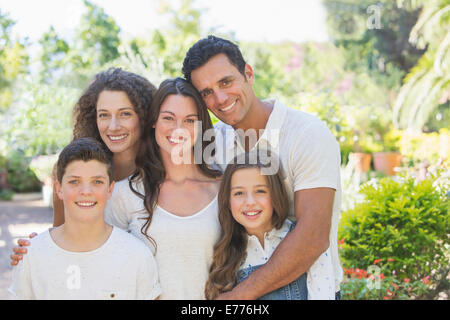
x: 84, y: 149
x: 205, y: 49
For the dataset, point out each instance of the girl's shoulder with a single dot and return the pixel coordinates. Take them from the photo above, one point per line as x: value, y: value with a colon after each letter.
x: 123, y: 186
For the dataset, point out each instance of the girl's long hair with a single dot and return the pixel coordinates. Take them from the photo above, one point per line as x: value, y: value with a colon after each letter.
x: 150, y: 168
x: 230, y: 250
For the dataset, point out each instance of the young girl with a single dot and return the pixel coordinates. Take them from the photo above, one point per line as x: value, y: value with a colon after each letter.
x: 253, y: 207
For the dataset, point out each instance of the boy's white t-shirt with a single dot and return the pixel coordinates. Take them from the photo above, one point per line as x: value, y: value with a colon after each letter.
x: 122, y: 268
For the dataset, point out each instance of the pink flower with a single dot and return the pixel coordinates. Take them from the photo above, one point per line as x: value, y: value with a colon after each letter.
x: 406, y: 280
x: 426, y: 280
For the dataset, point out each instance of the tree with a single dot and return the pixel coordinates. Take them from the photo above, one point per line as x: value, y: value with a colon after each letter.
x: 427, y: 85
x: 53, y: 56
x: 72, y: 62
x: 13, y: 61
x: 185, y: 29
x: 379, y: 32
x: 98, y: 35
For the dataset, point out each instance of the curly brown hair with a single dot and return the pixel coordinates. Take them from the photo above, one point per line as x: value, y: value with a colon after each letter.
x: 138, y: 89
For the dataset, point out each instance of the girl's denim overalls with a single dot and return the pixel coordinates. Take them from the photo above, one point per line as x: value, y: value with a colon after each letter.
x: 296, y: 290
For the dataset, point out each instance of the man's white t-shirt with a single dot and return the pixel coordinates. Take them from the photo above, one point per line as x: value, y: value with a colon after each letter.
x: 122, y: 268
x: 309, y: 156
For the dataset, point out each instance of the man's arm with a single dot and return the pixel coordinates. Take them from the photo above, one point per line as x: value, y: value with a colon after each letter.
x: 299, y: 249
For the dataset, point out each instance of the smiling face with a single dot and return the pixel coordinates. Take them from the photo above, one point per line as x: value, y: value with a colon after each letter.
x: 117, y: 122
x: 250, y: 201
x: 85, y: 188
x: 226, y: 92
x: 175, y: 127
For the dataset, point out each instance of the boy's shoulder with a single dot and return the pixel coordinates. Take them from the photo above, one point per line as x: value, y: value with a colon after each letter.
x: 129, y: 242
x: 42, y: 240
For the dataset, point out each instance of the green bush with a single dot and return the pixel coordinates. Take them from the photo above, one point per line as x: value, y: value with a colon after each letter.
x: 6, y: 194
x: 20, y: 177
x: 402, y: 224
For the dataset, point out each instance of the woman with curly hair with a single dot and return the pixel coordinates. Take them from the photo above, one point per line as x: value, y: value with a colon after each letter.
x: 112, y: 110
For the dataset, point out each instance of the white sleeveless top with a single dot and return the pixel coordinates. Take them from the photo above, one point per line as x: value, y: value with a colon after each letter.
x: 184, y: 244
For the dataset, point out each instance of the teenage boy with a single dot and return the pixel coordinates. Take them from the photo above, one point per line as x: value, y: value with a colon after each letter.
x: 309, y: 153
x: 85, y: 258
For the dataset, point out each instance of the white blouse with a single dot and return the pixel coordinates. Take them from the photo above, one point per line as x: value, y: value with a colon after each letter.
x: 184, y: 244
x: 320, y: 276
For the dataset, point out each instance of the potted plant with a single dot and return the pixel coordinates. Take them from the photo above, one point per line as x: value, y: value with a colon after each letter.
x: 389, y: 158
x: 379, y: 136
x: 359, y: 119
x: 361, y: 156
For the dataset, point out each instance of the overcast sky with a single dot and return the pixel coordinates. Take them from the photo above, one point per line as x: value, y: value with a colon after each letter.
x: 259, y: 20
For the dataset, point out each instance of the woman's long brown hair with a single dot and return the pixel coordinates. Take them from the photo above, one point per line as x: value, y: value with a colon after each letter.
x: 150, y: 168
x: 230, y: 250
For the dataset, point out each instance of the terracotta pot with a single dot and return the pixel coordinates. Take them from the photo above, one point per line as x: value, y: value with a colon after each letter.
x: 361, y: 161
x: 386, y: 162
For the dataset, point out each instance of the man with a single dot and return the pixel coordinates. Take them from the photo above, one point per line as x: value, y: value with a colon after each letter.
x: 309, y: 155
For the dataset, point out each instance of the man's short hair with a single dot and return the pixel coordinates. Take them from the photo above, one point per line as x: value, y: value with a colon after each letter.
x: 84, y: 149
x: 205, y: 49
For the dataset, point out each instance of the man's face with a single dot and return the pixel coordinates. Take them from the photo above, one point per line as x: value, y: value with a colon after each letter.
x: 226, y: 92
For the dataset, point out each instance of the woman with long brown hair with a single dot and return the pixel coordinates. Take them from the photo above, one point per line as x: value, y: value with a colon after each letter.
x: 172, y: 204
x: 112, y: 110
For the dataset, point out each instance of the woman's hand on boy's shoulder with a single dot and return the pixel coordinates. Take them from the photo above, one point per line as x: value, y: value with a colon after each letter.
x: 19, y: 250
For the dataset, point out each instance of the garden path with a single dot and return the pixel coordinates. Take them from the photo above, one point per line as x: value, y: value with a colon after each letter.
x: 19, y: 218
